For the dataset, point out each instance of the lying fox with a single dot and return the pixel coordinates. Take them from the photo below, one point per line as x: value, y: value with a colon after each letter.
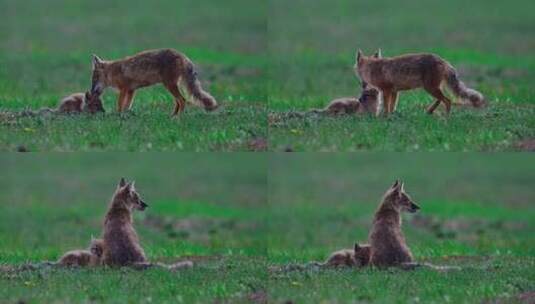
x: 359, y: 256
x: 73, y: 104
x: 366, y: 103
x: 81, y: 258
x: 165, y: 66
x: 412, y: 71
x: 80, y: 102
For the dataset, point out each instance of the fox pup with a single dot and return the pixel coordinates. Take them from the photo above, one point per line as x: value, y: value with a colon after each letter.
x: 388, y: 246
x: 72, y: 104
x: 412, y: 71
x: 367, y: 103
x: 121, y: 243
x: 80, y: 258
x: 165, y: 66
x: 80, y: 102
x: 359, y: 256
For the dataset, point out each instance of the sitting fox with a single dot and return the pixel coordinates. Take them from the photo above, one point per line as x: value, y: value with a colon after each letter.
x: 359, y: 256
x: 412, y: 71
x: 388, y: 246
x: 120, y: 244
x: 120, y: 240
x: 81, y: 258
x: 165, y: 66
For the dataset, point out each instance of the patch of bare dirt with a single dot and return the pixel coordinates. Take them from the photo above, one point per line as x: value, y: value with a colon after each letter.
x: 197, y: 229
x: 257, y: 144
x: 258, y: 297
x: 526, y: 145
x: 463, y: 229
x: 522, y: 298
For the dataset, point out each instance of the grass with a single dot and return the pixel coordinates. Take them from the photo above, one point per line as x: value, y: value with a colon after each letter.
x: 201, y: 206
x: 46, y: 54
x: 312, y: 49
x: 476, y: 213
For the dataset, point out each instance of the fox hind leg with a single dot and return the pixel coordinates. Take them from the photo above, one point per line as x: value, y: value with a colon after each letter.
x: 395, y: 96
x: 128, y: 100
x: 437, y: 93
x: 180, y: 101
x: 387, y: 102
x: 122, y: 95
x: 433, y: 107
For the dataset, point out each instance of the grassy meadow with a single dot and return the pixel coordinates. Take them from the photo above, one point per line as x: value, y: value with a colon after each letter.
x: 45, y: 54
x: 476, y: 213
x: 202, y: 207
x: 312, y: 47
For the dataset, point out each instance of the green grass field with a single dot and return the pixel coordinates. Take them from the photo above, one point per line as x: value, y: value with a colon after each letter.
x: 476, y: 212
x: 312, y: 47
x: 203, y: 207
x: 45, y: 54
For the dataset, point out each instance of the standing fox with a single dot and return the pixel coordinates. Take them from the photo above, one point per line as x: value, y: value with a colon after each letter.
x: 412, y: 71
x: 388, y: 246
x: 165, y: 66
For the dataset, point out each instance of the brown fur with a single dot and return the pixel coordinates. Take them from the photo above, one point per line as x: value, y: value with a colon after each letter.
x: 388, y: 246
x: 80, y: 102
x: 367, y: 103
x: 412, y: 71
x: 121, y: 243
x: 165, y: 66
x: 359, y: 256
x: 81, y: 258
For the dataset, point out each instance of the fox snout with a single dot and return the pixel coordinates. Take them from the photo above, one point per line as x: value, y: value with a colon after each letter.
x: 96, y: 89
x: 414, y: 208
x: 143, y: 205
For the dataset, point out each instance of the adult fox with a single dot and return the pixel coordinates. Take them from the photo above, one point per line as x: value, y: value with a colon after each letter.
x: 412, y: 71
x: 165, y: 66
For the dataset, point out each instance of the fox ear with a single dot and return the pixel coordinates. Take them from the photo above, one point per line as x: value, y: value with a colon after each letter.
x: 96, y: 61
x: 401, y: 187
x: 378, y: 54
x: 359, y: 55
x: 122, y: 182
x: 395, y: 185
x: 357, y: 247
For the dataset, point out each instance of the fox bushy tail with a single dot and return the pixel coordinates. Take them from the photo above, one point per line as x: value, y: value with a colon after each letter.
x: 196, y: 91
x: 461, y: 90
